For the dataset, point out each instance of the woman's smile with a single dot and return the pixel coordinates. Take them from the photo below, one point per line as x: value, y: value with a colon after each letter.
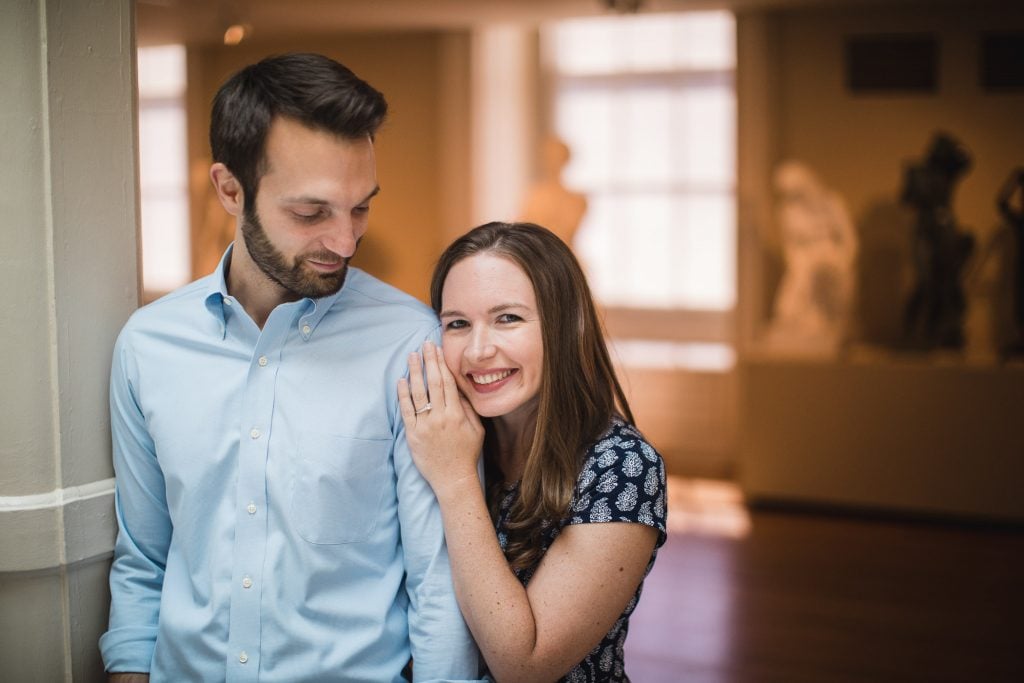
x: 488, y: 381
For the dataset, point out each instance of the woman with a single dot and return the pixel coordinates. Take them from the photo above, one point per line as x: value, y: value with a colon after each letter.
x: 576, y: 494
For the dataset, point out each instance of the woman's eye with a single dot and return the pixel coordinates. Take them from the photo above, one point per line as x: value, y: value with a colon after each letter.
x: 509, y: 318
x: 455, y: 324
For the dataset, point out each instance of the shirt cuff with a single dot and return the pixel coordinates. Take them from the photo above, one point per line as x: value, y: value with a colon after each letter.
x: 128, y: 649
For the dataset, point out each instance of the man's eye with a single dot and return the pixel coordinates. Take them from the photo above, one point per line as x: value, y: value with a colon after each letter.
x: 361, y: 209
x: 308, y: 217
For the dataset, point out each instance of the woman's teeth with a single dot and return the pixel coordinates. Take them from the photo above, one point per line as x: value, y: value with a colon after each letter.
x: 491, y: 378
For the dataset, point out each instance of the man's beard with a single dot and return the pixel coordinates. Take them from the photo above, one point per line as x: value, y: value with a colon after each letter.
x: 296, y: 278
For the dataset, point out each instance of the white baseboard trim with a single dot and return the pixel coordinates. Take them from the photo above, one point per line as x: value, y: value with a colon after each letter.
x: 58, y: 528
x: 58, y: 497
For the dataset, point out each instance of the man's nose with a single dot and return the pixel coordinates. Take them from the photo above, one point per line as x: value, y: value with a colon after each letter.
x: 340, y: 237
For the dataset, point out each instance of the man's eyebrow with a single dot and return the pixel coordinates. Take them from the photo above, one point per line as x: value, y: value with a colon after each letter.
x: 373, y: 193
x: 319, y: 201
x: 305, y: 199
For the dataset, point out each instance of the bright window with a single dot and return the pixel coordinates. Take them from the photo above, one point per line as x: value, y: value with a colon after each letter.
x: 647, y: 106
x: 163, y: 169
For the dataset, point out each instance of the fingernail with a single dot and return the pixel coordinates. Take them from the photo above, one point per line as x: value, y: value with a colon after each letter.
x: 428, y: 346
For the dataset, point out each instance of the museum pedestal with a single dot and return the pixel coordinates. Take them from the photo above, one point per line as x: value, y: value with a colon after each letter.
x: 914, y: 435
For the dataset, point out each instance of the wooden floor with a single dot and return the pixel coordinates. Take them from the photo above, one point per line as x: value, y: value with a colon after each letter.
x: 792, y: 597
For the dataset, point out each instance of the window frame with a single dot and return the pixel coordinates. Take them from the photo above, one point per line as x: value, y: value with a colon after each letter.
x: 673, y: 323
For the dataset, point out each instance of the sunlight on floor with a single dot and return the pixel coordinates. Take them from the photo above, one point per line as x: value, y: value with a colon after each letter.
x: 707, y: 507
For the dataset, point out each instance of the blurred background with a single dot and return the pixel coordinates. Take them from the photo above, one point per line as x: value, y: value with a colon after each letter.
x: 649, y: 132
x: 650, y: 135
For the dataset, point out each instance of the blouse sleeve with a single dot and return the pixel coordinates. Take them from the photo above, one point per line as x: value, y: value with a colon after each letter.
x: 622, y: 480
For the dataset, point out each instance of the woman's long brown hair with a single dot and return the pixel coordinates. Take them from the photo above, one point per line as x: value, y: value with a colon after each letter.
x: 579, y: 392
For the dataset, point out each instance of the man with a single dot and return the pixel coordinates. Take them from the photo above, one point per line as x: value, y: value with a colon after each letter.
x: 272, y: 526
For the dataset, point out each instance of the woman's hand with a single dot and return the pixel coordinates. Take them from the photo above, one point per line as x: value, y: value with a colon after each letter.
x: 444, y: 433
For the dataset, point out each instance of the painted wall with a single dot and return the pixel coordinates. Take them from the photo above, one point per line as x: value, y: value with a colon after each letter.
x: 69, y: 281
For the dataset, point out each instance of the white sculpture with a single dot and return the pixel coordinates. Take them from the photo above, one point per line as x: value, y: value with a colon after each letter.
x: 814, y: 303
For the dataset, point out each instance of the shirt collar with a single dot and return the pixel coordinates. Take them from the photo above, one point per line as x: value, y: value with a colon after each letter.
x: 218, y: 300
x: 217, y: 292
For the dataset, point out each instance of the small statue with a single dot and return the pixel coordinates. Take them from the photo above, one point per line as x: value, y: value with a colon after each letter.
x: 1013, y: 189
x: 814, y: 302
x: 934, y: 313
x: 549, y: 203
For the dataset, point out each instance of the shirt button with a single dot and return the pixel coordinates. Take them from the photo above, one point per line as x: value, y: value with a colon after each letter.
x: 243, y: 657
x: 247, y: 582
x: 262, y: 361
x: 227, y: 301
x: 251, y: 509
x: 306, y: 329
x: 255, y: 433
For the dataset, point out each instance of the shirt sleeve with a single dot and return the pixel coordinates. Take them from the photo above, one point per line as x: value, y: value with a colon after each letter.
x: 144, y: 528
x: 442, y: 647
x: 623, y: 480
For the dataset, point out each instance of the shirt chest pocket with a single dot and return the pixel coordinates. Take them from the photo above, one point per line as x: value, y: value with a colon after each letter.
x: 337, y: 487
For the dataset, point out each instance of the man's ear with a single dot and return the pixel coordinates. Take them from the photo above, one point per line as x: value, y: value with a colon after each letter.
x: 228, y: 189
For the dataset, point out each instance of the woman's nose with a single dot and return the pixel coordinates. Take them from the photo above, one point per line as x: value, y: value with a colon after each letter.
x: 481, y: 346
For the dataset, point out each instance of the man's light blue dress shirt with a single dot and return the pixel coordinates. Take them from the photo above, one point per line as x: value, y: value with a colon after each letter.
x: 272, y: 525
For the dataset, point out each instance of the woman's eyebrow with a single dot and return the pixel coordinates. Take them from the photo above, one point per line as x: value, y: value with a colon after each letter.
x: 493, y: 309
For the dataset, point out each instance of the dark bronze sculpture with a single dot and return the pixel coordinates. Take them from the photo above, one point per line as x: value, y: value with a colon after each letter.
x: 934, y: 314
x: 1011, y: 205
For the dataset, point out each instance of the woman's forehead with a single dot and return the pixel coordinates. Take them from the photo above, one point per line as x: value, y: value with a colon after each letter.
x: 487, y: 277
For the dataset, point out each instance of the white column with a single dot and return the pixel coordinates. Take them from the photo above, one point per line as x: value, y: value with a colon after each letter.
x: 503, y: 104
x: 68, y: 281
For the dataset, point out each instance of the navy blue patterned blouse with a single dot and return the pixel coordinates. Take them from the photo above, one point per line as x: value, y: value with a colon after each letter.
x: 622, y: 480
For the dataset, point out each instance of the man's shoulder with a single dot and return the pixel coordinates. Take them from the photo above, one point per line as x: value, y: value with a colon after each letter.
x: 176, y: 306
x: 364, y: 290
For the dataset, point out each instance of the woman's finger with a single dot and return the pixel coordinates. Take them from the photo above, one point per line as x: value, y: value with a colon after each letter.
x: 471, y: 416
x: 416, y: 387
x: 405, y: 403
x: 451, y: 390
x: 434, y: 386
